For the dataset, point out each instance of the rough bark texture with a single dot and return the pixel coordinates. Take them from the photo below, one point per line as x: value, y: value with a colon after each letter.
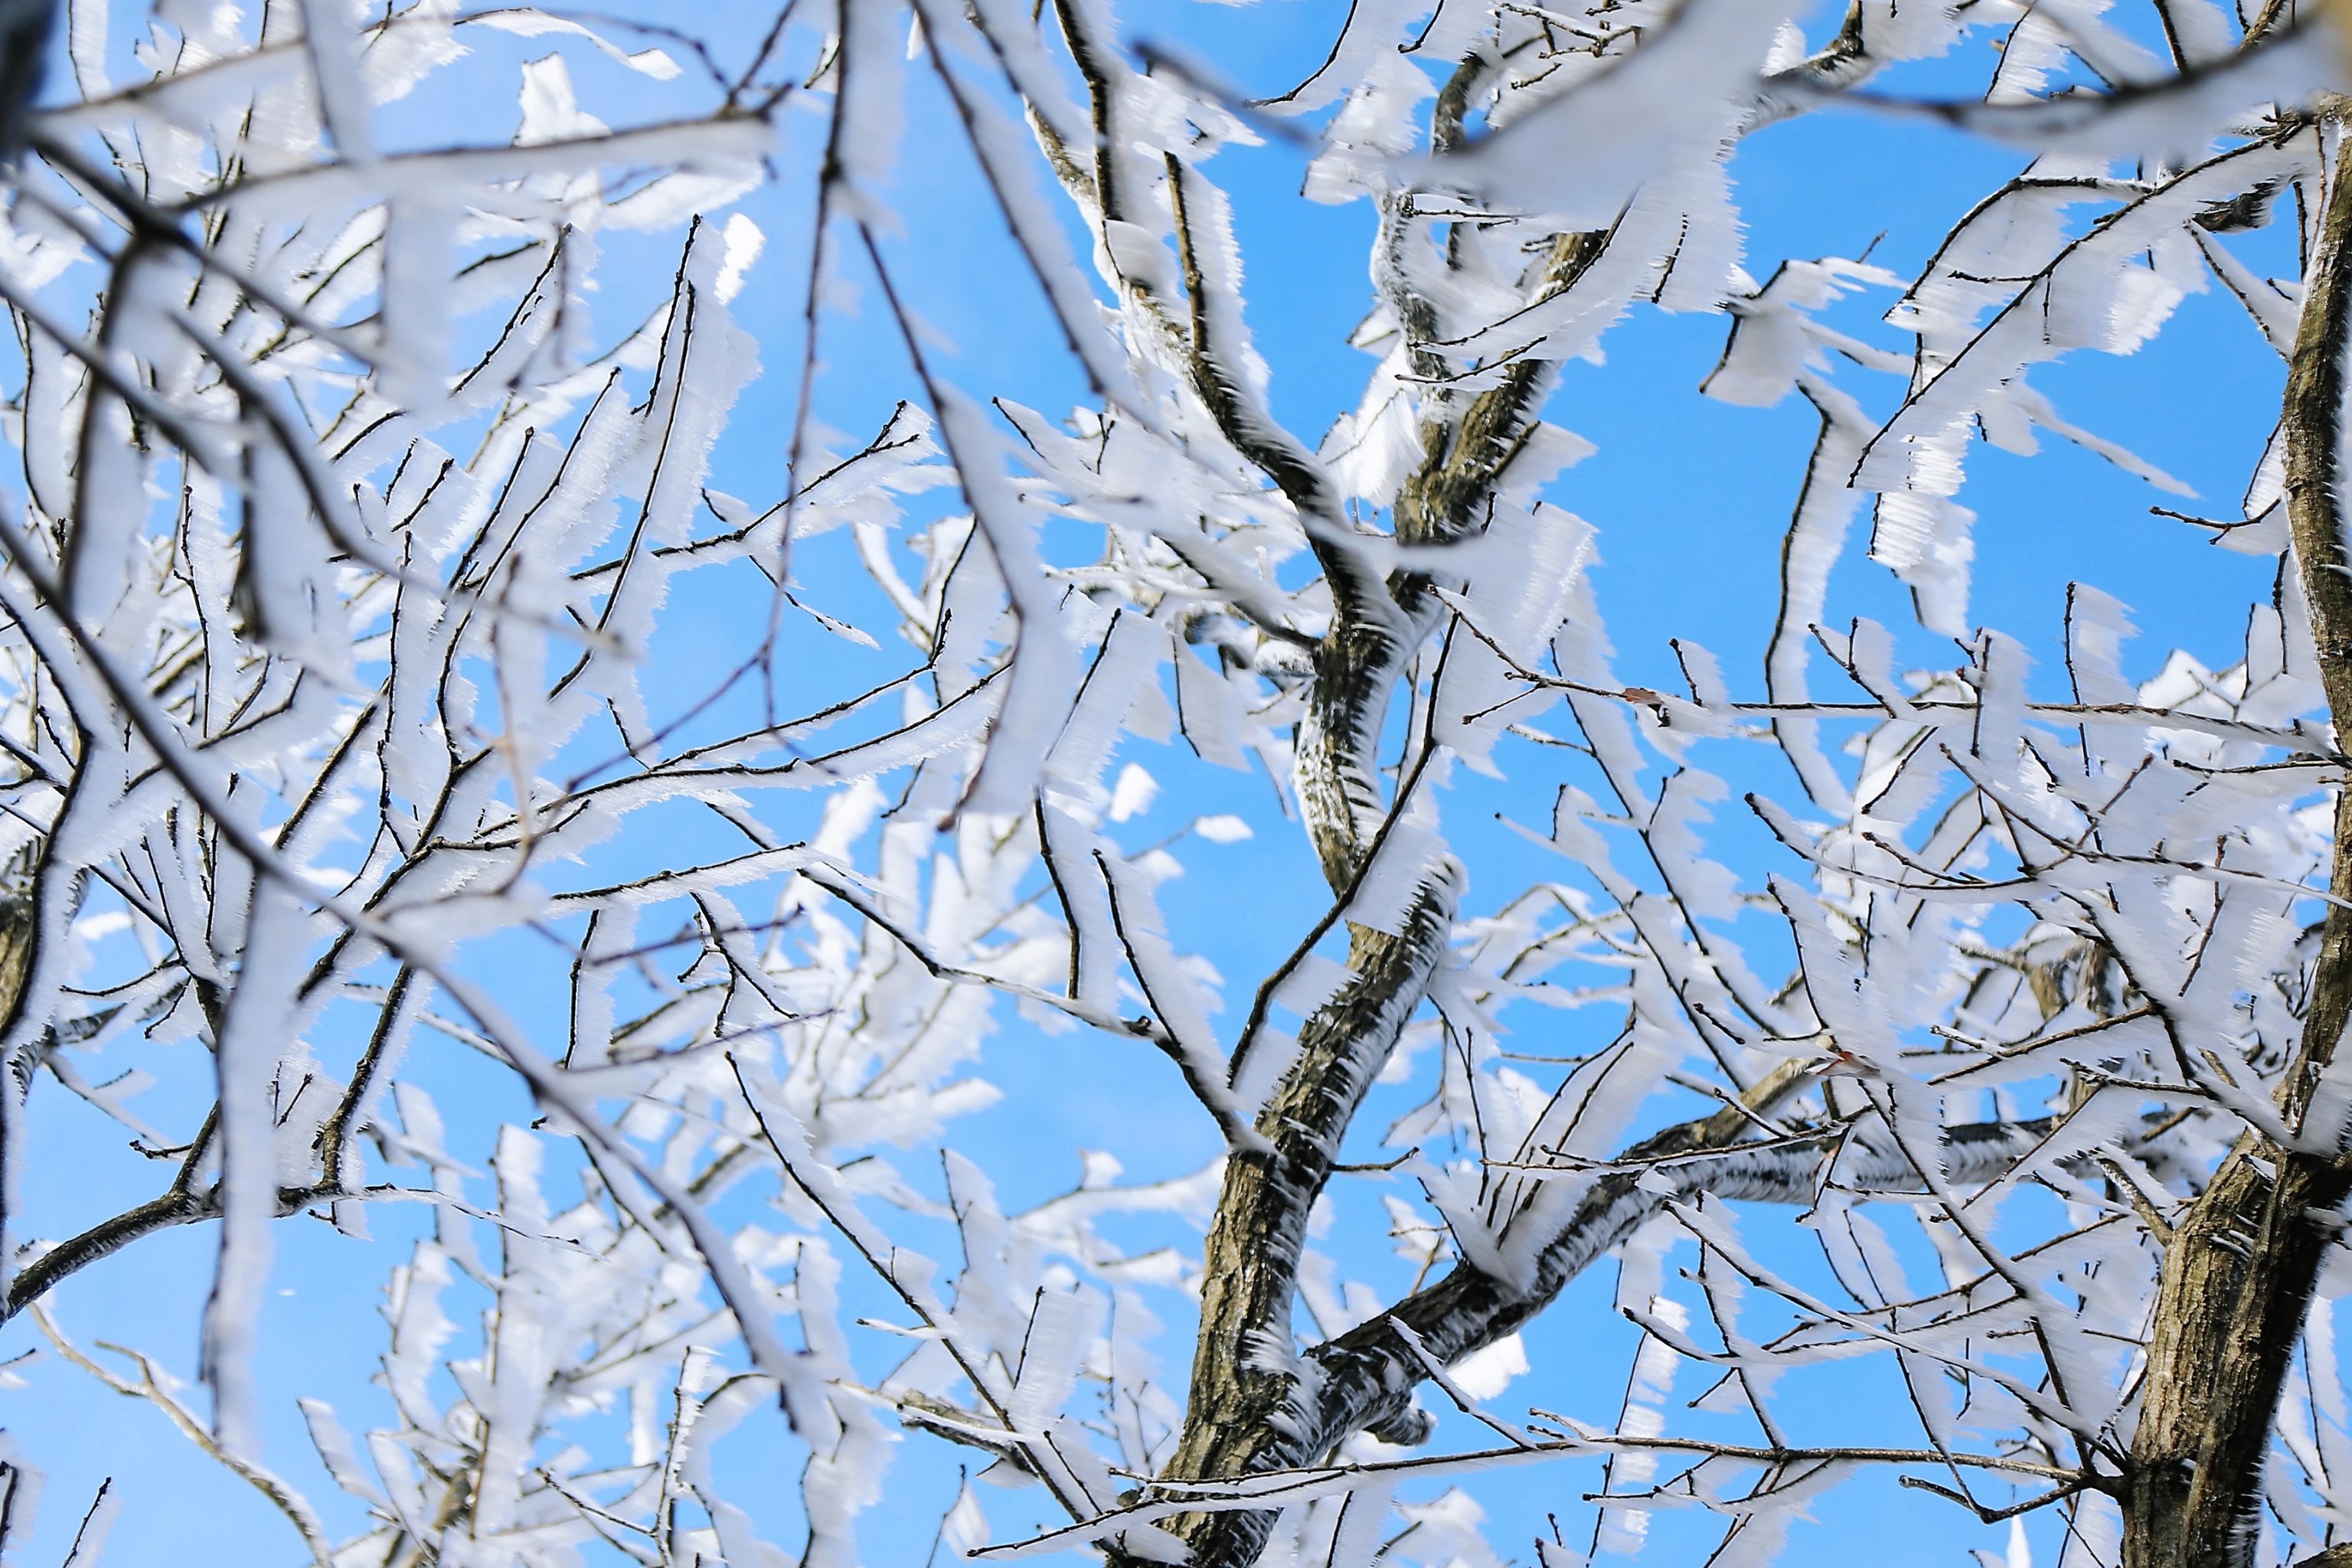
x: 2243, y: 1261
x: 18, y: 930
x: 2237, y: 1280
x: 1243, y: 1413
x: 1244, y: 1367
x: 1365, y: 1378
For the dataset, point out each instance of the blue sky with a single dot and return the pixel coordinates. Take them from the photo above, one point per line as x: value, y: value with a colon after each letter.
x: 1690, y: 497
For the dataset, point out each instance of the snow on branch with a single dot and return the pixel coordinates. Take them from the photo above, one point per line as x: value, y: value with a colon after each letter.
x: 360, y: 727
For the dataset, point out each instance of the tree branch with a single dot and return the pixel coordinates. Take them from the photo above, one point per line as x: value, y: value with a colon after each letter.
x: 2244, y: 1257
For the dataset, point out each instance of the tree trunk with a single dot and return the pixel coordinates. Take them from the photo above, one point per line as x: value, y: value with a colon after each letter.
x: 2243, y: 1262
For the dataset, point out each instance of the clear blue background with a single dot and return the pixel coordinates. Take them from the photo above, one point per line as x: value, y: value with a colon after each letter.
x: 1691, y: 499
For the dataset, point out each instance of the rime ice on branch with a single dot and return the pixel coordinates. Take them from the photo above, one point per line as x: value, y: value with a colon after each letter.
x: 332, y: 676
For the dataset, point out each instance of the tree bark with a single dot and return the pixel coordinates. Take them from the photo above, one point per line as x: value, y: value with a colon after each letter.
x: 2244, y: 1257
x: 1364, y: 1378
x: 1247, y: 1410
x: 1244, y: 1365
